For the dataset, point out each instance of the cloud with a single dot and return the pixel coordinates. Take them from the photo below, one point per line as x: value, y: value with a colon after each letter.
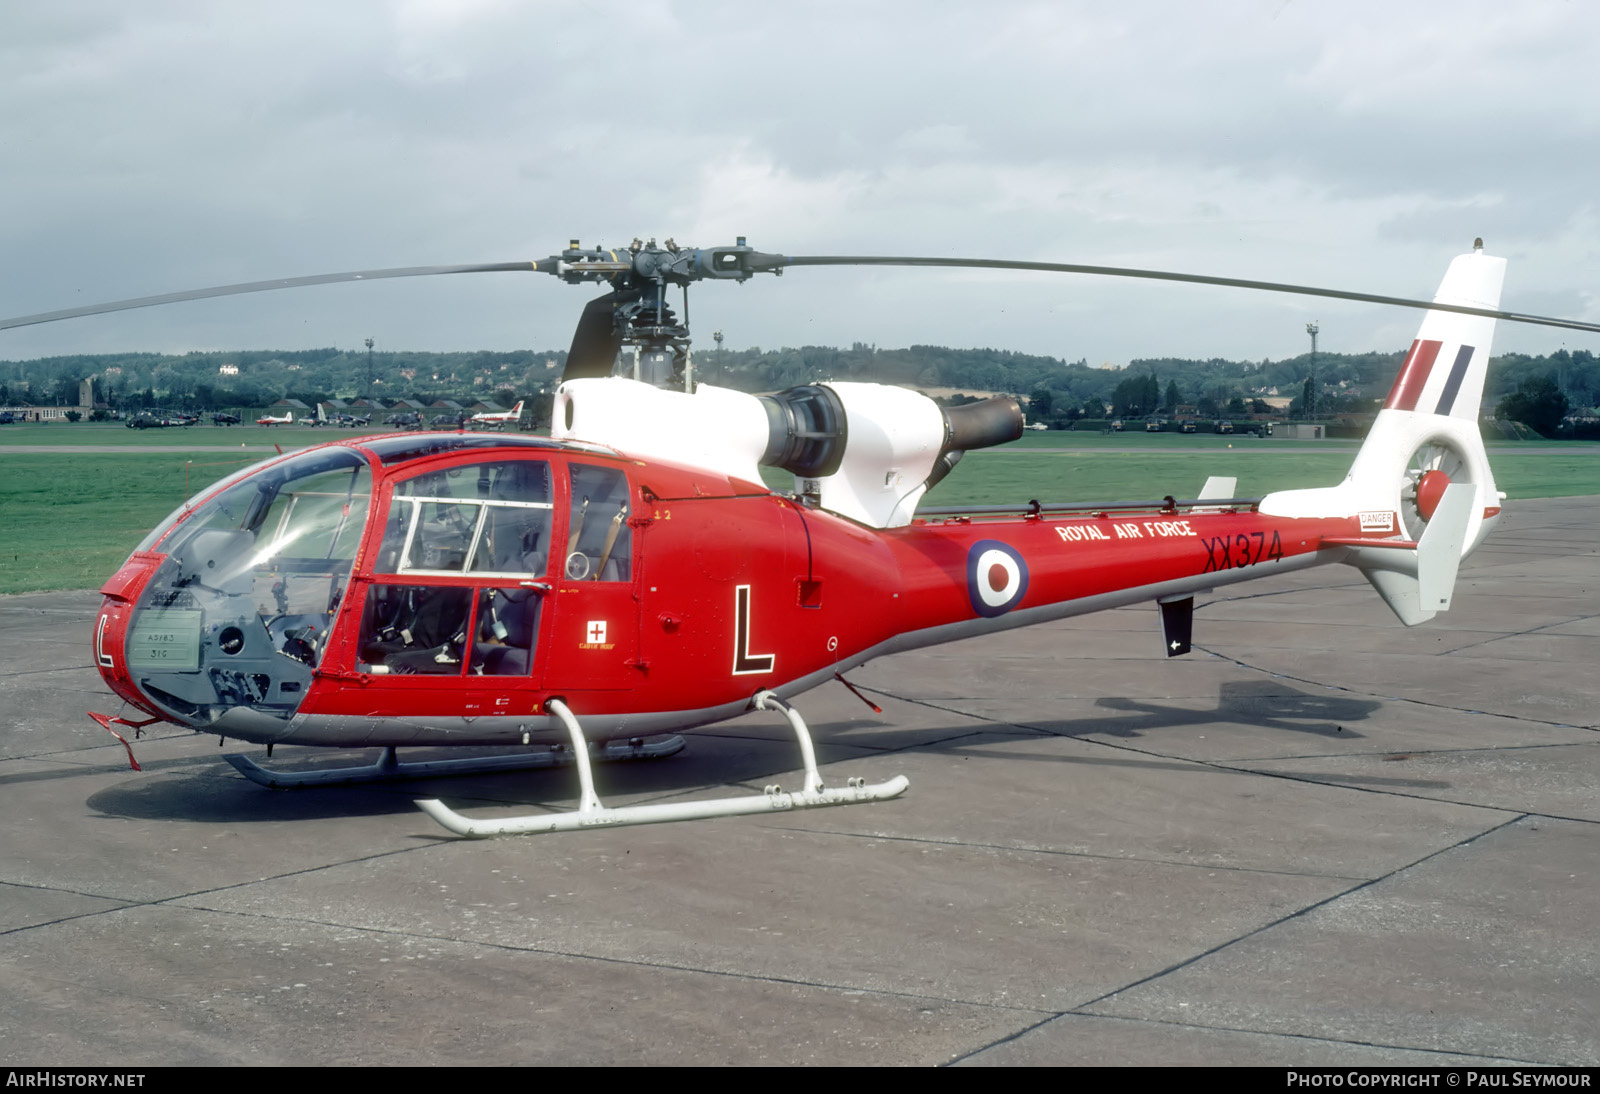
x: 164, y: 145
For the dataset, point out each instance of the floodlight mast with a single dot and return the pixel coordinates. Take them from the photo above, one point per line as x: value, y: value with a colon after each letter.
x: 1311, y: 380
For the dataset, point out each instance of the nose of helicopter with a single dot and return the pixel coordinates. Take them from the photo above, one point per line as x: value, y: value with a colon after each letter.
x: 217, y: 619
x: 182, y: 637
x: 121, y: 595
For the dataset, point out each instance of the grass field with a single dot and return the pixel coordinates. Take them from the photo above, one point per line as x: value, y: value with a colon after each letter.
x: 67, y: 520
x: 44, y: 434
x: 1109, y: 472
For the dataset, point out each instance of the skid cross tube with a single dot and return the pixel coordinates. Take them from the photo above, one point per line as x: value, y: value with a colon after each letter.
x: 591, y: 813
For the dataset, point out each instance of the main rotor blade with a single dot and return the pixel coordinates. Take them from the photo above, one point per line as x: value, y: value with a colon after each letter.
x: 268, y: 286
x: 766, y: 261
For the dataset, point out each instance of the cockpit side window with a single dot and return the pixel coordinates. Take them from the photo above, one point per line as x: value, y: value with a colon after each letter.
x: 488, y: 521
x: 480, y: 519
x: 321, y: 517
x: 599, y: 543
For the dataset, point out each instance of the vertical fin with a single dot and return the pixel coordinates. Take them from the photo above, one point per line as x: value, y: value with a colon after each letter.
x: 1177, y: 625
x: 1439, y: 549
x: 1428, y: 427
x: 1430, y: 418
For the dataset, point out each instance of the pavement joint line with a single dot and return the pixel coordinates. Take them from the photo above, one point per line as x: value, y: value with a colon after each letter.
x: 1352, y: 785
x: 1170, y: 696
x: 1300, y: 912
x: 1407, y: 753
x: 119, y: 901
x: 1311, y: 1037
x: 1390, y: 698
x: 70, y: 918
x: 979, y: 845
x: 133, y: 902
x: 765, y: 978
x: 1314, y: 1037
x: 55, y: 754
x: 1045, y: 1021
x: 1529, y: 630
x: 1279, y: 592
x: 1090, y: 659
x: 79, y: 612
x: 1318, y: 624
x: 43, y: 672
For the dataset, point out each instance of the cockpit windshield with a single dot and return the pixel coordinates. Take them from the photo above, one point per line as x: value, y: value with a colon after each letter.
x: 239, y: 613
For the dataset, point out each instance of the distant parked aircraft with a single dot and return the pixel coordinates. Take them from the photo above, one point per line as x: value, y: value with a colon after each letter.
x: 500, y: 418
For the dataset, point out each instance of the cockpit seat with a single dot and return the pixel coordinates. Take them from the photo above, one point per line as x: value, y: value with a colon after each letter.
x: 509, y: 621
x: 415, y: 628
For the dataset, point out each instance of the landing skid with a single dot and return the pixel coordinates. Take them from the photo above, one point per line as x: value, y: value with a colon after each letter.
x: 592, y: 814
x: 390, y: 769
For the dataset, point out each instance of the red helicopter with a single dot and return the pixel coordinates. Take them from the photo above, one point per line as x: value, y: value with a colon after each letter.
x: 580, y: 596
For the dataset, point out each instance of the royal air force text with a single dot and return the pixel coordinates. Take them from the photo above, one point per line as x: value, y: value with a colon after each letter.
x: 1226, y: 552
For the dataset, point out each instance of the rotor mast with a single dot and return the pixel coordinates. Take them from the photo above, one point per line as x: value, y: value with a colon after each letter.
x: 651, y: 343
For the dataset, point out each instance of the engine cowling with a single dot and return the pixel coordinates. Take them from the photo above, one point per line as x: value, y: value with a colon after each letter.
x: 865, y: 451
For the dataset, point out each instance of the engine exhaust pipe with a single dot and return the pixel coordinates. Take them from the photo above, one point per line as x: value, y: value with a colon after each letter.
x: 996, y: 420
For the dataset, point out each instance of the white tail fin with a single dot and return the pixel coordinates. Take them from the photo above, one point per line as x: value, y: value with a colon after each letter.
x: 1424, y: 442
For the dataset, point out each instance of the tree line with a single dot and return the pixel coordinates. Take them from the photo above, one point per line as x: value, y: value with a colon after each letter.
x: 1325, y: 386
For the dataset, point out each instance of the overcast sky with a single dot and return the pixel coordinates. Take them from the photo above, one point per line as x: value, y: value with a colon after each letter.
x: 160, y: 146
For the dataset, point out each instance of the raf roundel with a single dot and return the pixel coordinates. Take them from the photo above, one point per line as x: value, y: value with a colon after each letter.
x: 997, y: 577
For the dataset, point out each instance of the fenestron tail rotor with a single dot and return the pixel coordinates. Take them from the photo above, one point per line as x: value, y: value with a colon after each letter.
x: 1432, y: 467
